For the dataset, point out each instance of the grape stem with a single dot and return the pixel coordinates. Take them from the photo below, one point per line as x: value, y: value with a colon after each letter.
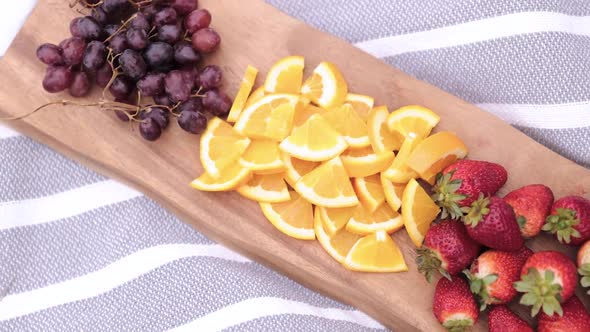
x: 121, y: 28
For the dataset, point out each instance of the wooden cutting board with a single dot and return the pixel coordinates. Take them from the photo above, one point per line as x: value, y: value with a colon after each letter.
x: 255, y: 33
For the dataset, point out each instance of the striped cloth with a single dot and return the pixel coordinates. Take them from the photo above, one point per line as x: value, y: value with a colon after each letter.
x: 80, y: 252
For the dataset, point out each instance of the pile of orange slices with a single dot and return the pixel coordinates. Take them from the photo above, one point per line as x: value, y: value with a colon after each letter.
x: 327, y: 164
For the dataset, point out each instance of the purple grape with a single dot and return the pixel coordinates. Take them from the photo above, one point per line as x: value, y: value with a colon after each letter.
x: 216, y: 102
x: 80, y: 85
x: 100, y: 15
x: 169, y: 33
x: 118, y: 43
x: 94, y: 56
x: 163, y: 100
x: 157, y: 113
x: 158, y: 54
x: 177, y: 89
x: 190, y: 74
x: 141, y: 22
x: 50, y: 54
x: 191, y: 105
x: 151, y: 84
x: 57, y: 79
x: 111, y: 29
x: 114, y: 6
x: 192, y: 122
x: 185, y: 54
x: 85, y: 27
x: 122, y: 116
x: 197, y: 20
x: 184, y: 7
x: 206, y: 40
x: 137, y: 39
x: 211, y: 77
x: 150, y: 129
x: 121, y: 87
x: 103, y: 75
x: 165, y: 16
x: 149, y: 12
x: 72, y: 50
x: 132, y: 64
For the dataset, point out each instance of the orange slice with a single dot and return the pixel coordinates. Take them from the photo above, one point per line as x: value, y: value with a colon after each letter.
x: 232, y: 177
x: 296, y: 168
x: 263, y: 155
x: 285, y: 76
x: 362, y: 104
x: 393, y: 192
x: 418, y: 211
x: 304, y: 113
x: 369, y: 191
x: 243, y: 93
x: 413, y: 119
x: 221, y: 147
x: 326, y: 87
x: 435, y: 153
x: 336, y: 245
x: 382, y: 139
x: 315, y: 140
x: 399, y: 171
x: 335, y: 218
x: 255, y: 96
x: 293, y: 218
x: 328, y: 185
x: 364, y: 162
x: 271, y: 117
x: 375, y: 252
x: 265, y: 188
x: 348, y: 123
x: 364, y: 222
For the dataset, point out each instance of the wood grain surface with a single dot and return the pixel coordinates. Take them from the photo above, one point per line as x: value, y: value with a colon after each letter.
x: 255, y: 33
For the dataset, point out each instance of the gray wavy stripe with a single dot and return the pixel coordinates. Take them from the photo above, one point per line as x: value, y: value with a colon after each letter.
x: 362, y: 20
x: 170, y: 296
x: 31, y: 170
x: 538, y: 68
x: 298, y: 323
x: 573, y: 143
x: 40, y: 255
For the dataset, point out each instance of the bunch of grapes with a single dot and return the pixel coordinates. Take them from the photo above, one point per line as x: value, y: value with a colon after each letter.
x: 141, y: 48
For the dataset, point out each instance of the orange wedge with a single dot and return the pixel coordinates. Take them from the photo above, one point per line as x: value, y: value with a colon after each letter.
x: 364, y: 162
x: 382, y: 139
x: 304, y: 113
x: 399, y: 171
x: 336, y: 245
x: 271, y: 117
x: 364, y: 222
x: 375, y: 252
x: 285, y: 76
x: 413, y: 119
x: 348, y: 123
x: 315, y: 140
x: 418, y: 211
x: 255, y: 96
x: 231, y: 178
x: 293, y: 218
x: 265, y: 188
x: 362, y: 104
x: 369, y: 191
x: 296, y: 168
x: 327, y: 185
x: 435, y: 153
x: 263, y: 156
x: 335, y: 219
x: 393, y: 192
x: 326, y: 87
x: 243, y: 93
x: 221, y: 147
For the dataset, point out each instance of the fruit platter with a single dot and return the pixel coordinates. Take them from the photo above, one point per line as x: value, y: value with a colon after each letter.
x: 307, y: 155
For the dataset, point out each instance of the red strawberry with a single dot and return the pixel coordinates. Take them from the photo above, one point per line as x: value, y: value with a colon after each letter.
x: 584, y: 264
x: 570, y: 220
x: 493, y: 274
x: 575, y: 318
x: 502, y: 319
x: 491, y: 222
x: 548, y: 278
x: 454, y: 305
x: 462, y: 182
x: 531, y: 205
x: 447, y: 248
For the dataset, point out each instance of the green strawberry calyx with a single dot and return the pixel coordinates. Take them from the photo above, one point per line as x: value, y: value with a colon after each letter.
x: 541, y: 291
x: 521, y: 220
x: 478, y: 210
x: 446, y: 197
x: 479, y: 287
x: 458, y: 324
x: 584, y: 271
x: 562, y: 223
x: 429, y: 261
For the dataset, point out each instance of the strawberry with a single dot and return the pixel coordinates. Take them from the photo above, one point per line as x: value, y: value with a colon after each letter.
x: 547, y: 278
x: 575, y: 318
x: 462, y: 182
x: 493, y: 274
x: 531, y: 205
x: 502, y: 319
x: 584, y: 264
x: 454, y: 305
x: 570, y: 220
x: 491, y: 222
x: 447, y: 248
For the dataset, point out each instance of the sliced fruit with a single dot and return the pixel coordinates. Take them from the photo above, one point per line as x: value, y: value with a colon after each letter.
x: 336, y: 245
x: 362, y: 104
x: 326, y: 87
x: 399, y: 171
x: 265, y: 188
x: 369, y: 191
x: 364, y: 162
x: 296, y: 168
x: 348, y: 123
x: 294, y: 218
x: 243, y: 93
x: 304, y: 113
x: 327, y: 185
x: 221, y: 147
x: 364, y: 222
x: 413, y: 119
x: 263, y: 155
x: 255, y: 96
x: 375, y: 252
x: 382, y: 139
x: 435, y: 153
x: 232, y: 177
x: 335, y: 218
x: 285, y: 76
x: 315, y: 140
x: 393, y: 192
x: 418, y: 211
x: 271, y: 117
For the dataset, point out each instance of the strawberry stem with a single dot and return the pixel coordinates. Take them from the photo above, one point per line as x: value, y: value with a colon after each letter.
x: 562, y: 224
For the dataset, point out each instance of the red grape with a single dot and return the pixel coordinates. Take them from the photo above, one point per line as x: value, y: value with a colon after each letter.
x: 197, y: 20
x: 184, y: 53
x: 103, y: 75
x: 150, y: 129
x: 210, y: 77
x: 216, y: 102
x: 121, y: 87
x: 141, y: 22
x: 113, y: 6
x: 85, y: 27
x: 94, y: 56
x: 191, y: 105
x: 50, y: 54
x: 157, y: 113
x: 158, y: 54
x: 163, y: 100
x: 137, y: 39
x: 165, y: 16
x: 192, y: 122
x: 111, y: 29
x: 176, y: 87
x: 118, y: 43
x: 184, y: 7
x: 100, y: 15
x: 57, y: 79
x: 72, y: 50
x: 169, y: 33
x: 151, y: 84
x: 206, y: 40
x: 80, y: 85
x: 132, y: 64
